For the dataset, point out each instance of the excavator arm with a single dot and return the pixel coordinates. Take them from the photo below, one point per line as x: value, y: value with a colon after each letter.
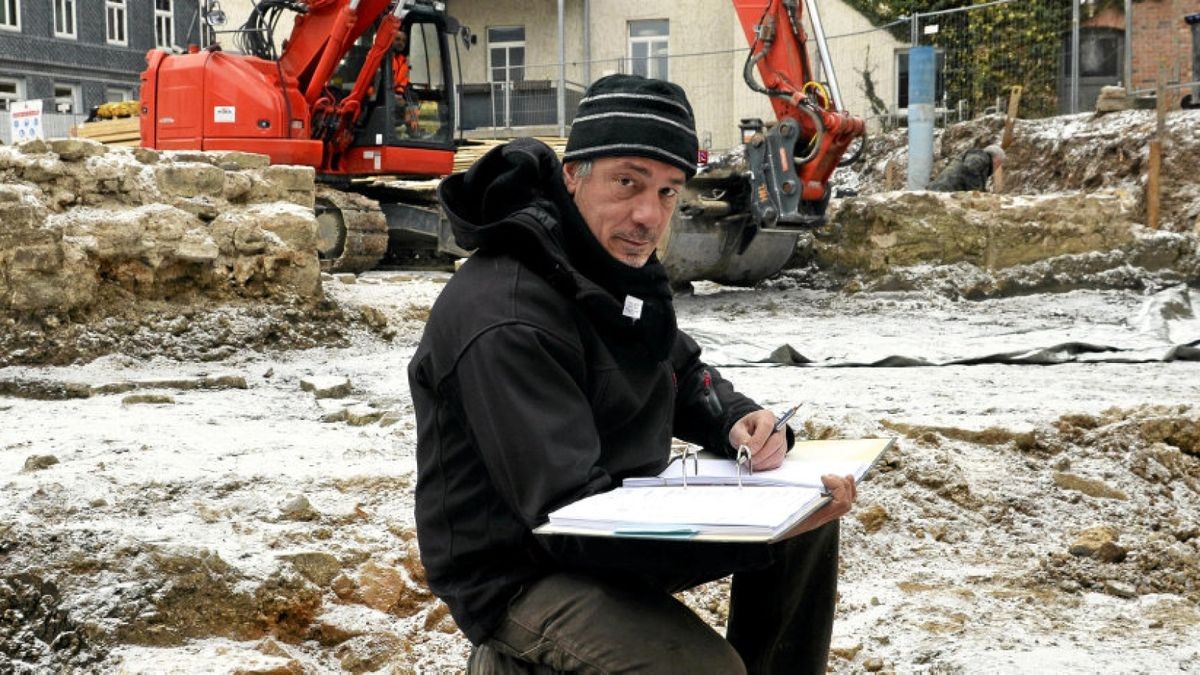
x: 739, y: 223
x: 792, y: 160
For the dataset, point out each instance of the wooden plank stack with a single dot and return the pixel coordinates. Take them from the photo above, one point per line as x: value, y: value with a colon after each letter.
x: 121, y: 131
x: 476, y: 148
x: 126, y: 131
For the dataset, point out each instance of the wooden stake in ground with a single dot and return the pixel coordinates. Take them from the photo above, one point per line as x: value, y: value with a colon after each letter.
x: 1154, y: 164
x: 1014, y: 103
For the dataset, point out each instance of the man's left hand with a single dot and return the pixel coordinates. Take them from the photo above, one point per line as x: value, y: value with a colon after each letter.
x: 767, y: 448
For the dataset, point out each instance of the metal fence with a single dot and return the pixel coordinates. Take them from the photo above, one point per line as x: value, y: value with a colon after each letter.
x: 54, y: 125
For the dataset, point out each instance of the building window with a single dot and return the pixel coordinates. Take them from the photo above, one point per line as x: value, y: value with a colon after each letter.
x: 164, y: 23
x: 506, y: 53
x: 648, y: 41
x: 66, y: 98
x: 11, y: 91
x: 10, y: 14
x: 939, y: 86
x: 114, y: 21
x: 64, y: 18
x: 117, y: 94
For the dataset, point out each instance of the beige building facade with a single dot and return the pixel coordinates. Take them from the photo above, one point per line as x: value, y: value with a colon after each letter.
x: 705, y: 49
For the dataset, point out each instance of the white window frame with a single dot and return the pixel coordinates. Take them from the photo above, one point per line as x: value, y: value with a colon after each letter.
x: 76, y: 99
x: 18, y: 92
x: 508, y: 47
x: 66, y: 12
x: 164, y: 25
x: 116, y: 22
x: 651, y: 41
x: 13, y: 7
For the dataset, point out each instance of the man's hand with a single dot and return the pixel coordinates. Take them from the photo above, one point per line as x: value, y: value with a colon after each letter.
x: 843, y: 491
x: 755, y: 432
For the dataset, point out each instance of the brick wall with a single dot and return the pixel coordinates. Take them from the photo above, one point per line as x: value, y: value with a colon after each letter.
x: 1160, y: 37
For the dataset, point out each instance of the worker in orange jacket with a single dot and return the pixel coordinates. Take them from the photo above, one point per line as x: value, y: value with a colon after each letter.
x: 408, y: 104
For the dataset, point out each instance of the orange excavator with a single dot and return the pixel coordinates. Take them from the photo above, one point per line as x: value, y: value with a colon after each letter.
x: 328, y: 99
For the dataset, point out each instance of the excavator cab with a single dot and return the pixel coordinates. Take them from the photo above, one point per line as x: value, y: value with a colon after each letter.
x: 409, y: 103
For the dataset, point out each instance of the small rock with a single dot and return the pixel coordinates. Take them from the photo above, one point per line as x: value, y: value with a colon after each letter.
x: 334, y: 416
x: 1088, y: 486
x: 846, y: 652
x: 380, y: 586
x: 327, y: 386
x: 39, y: 462
x: 298, y: 508
x: 1110, y: 552
x: 346, y: 277
x: 367, y: 653
x: 345, y: 587
x: 329, y: 633
x: 137, y: 399
x: 1069, y: 586
x: 873, y: 664
x: 1119, y: 589
x: 316, y: 566
x: 389, y: 418
x: 872, y: 518
x: 362, y: 415
x: 1088, y: 543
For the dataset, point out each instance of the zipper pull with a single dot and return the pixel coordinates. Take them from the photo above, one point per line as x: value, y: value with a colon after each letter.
x: 710, y: 397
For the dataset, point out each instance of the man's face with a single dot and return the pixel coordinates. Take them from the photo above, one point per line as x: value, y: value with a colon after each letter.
x: 627, y: 203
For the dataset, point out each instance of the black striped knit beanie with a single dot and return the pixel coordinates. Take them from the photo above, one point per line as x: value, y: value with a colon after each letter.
x: 624, y: 115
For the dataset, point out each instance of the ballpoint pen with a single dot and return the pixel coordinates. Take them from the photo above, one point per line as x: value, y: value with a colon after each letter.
x: 783, y: 419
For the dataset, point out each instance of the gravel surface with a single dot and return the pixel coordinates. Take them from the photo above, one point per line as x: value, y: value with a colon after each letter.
x: 228, y: 520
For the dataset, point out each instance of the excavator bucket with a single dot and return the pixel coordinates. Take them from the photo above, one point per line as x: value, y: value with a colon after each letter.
x: 713, y: 235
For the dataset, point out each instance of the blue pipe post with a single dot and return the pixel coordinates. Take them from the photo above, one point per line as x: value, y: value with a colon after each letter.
x: 922, y: 79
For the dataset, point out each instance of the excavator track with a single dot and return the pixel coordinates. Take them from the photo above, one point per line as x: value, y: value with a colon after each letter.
x: 352, y: 232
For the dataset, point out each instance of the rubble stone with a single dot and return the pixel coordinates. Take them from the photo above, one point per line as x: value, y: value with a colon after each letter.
x: 876, y: 233
x: 81, y: 218
x: 326, y: 386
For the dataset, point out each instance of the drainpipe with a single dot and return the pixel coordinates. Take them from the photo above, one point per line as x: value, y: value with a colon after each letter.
x: 1074, y: 56
x: 922, y: 79
x: 1193, y: 20
x: 1128, y: 45
x: 587, y: 42
x: 562, y: 73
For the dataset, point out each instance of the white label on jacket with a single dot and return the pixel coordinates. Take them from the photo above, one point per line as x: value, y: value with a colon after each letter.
x: 633, y: 307
x: 224, y: 114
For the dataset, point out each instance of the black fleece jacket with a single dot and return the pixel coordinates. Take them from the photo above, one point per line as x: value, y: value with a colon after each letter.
x: 532, y: 390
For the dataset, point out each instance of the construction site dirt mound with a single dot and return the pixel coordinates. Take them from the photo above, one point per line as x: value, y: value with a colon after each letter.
x: 1087, y: 152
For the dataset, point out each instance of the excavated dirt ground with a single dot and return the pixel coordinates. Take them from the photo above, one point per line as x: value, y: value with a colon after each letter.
x: 227, y: 488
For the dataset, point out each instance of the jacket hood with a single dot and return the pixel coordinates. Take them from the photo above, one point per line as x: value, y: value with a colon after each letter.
x: 506, y: 200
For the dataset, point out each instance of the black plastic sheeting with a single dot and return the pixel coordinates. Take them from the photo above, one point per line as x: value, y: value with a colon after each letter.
x: 1066, y: 352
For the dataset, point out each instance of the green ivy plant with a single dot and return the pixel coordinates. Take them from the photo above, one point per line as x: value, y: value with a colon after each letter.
x: 990, y: 50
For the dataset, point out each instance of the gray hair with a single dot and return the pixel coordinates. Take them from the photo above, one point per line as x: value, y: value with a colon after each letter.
x: 995, y: 151
x: 583, y: 168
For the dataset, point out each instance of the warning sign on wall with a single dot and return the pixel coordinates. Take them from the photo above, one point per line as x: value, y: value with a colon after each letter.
x: 26, y: 120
